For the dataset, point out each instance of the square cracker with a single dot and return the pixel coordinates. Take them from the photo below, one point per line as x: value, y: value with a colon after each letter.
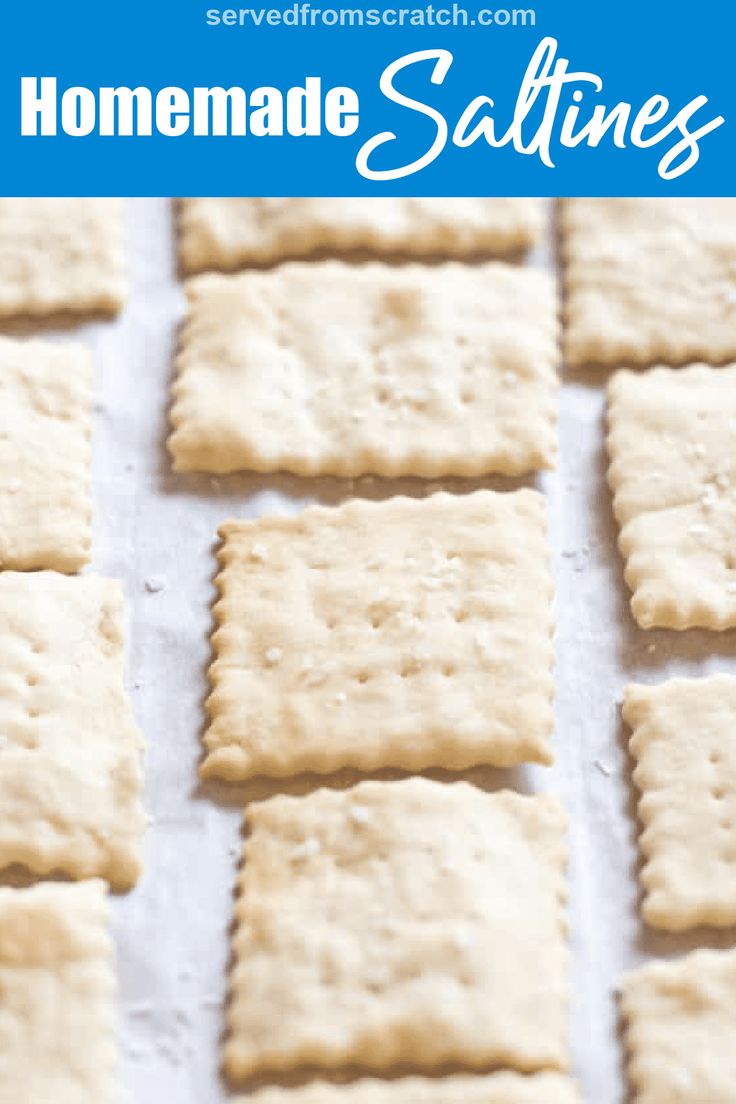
x: 490, y: 1088
x: 70, y: 775
x: 413, y: 923
x: 57, y: 992
x: 680, y: 1029
x: 410, y: 633
x: 45, y: 409
x: 672, y: 444
x: 228, y: 232
x: 59, y: 255
x: 334, y: 369
x: 685, y: 752
x: 649, y: 280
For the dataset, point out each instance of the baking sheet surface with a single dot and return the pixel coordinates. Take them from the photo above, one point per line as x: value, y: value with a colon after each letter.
x: 156, y: 531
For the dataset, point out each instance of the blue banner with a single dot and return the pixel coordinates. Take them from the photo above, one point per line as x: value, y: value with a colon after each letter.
x: 537, y: 97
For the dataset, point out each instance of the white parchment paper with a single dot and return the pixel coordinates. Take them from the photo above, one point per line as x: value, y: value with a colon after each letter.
x: 156, y: 531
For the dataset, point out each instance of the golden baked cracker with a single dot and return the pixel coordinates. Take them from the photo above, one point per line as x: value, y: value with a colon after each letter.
x: 683, y: 744
x: 649, y: 280
x: 57, y: 992
x: 228, y: 232
x: 680, y: 1021
x: 413, y: 923
x: 70, y: 776
x: 334, y: 369
x: 410, y: 633
x: 45, y: 410
x: 489, y: 1088
x: 672, y: 445
x: 60, y: 255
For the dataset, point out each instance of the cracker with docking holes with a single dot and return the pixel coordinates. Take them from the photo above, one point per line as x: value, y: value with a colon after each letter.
x: 45, y: 411
x: 333, y: 369
x: 70, y: 775
x: 226, y: 233
x: 407, y: 923
x: 409, y: 633
x: 57, y: 987
x: 680, y: 1019
x: 672, y: 446
x: 649, y: 280
x: 489, y: 1088
x: 685, y: 752
x: 61, y: 256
